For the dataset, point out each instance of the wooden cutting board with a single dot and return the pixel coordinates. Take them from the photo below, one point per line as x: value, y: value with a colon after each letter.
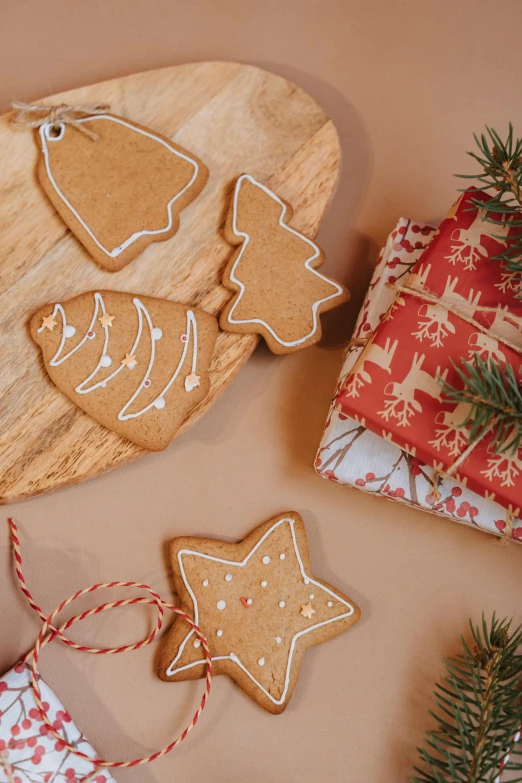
x: 236, y: 118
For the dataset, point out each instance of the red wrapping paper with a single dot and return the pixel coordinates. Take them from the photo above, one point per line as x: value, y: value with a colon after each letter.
x: 399, y: 396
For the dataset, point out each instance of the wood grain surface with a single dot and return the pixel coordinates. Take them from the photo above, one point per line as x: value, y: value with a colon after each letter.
x: 236, y: 118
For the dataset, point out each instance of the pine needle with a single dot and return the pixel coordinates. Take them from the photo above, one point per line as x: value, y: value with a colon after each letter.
x: 501, y: 164
x: 477, y: 723
x: 495, y: 398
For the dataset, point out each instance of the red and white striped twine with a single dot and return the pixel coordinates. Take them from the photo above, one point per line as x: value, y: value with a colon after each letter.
x: 49, y: 632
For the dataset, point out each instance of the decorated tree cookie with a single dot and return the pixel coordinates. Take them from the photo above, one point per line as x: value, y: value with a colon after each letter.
x: 136, y: 364
x: 258, y: 607
x: 117, y: 185
x: 279, y: 293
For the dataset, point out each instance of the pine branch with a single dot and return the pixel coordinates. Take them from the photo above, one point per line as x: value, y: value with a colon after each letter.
x: 501, y: 164
x: 495, y: 398
x: 479, y: 710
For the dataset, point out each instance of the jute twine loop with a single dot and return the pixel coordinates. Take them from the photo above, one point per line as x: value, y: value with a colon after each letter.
x: 49, y: 632
x: 33, y: 115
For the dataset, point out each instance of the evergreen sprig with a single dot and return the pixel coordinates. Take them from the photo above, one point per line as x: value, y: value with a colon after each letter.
x: 496, y: 402
x: 478, y: 710
x: 501, y: 163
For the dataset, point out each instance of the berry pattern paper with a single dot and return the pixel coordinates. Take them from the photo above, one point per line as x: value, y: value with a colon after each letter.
x: 29, y: 753
x: 351, y: 454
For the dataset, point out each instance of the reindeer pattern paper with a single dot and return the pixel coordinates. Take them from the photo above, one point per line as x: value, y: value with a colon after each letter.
x: 119, y: 188
x: 402, y: 399
x: 353, y: 455
x: 29, y: 753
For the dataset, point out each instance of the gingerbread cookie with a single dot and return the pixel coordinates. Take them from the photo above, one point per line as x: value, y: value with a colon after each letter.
x: 136, y: 364
x: 258, y: 606
x: 279, y: 293
x: 117, y: 185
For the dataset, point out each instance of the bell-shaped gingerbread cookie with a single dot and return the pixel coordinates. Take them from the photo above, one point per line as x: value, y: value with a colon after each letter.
x: 117, y: 185
x: 136, y: 364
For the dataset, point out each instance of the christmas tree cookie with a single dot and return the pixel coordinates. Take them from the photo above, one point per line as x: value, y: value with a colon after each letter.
x: 117, y: 185
x: 136, y: 364
x: 279, y: 293
x: 257, y: 605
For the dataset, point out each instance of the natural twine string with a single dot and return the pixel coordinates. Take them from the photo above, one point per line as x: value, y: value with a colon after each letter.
x: 4, y: 762
x: 49, y: 632
x: 428, y: 296
x: 33, y: 115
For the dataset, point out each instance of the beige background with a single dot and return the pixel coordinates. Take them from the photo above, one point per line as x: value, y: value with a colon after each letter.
x: 406, y: 83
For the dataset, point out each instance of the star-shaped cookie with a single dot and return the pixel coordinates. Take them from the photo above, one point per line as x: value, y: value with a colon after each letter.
x: 258, y: 606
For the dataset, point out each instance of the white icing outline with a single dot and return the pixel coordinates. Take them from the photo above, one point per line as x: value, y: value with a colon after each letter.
x: 232, y: 656
x: 316, y: 252
x: 98, y: 303
x: 190, y: 330
x: 115, y: 252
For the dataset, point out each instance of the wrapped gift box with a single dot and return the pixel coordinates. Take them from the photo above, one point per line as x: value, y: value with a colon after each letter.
x: 442, y: 316
x: 351, y: 454
x: 29, y: 753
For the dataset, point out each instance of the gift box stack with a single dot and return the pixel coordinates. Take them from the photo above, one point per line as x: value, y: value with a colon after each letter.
x: 437, y: 297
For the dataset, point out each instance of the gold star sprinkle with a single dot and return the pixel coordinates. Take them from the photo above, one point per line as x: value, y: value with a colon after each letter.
x: 129, y: 361
x: 48, y: 323
x: 307, y: 611
x: 106, y: 319
x: 191, y: 381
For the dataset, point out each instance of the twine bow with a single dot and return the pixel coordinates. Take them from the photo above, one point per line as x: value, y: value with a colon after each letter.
x: 34, y: 115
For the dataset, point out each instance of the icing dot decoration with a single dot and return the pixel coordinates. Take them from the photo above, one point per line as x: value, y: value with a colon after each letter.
x: 282, y: 556
x: 249, y: 601
x: 219, y: 633
x: 183, y: 338
x: 106, y: 360
x: 307, y: 581
x: 157, y: 334
x: 147, y: 383
x: 197, y: 644
x: 266, y: 560
x: 278, y: 639
x: 228, y: 577
x: 312, y: 596
x: 221, y: 605
x: 330, y: 603
x: 263, y: 583
x: 91, y: 335
x: 69, y: 330
x: 282, y: 604
x: 261, y: 661
x: 159, y: 403
x: 205, y: 582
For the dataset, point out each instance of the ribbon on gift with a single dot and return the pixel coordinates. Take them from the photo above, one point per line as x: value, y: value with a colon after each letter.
x: 50, y: 631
